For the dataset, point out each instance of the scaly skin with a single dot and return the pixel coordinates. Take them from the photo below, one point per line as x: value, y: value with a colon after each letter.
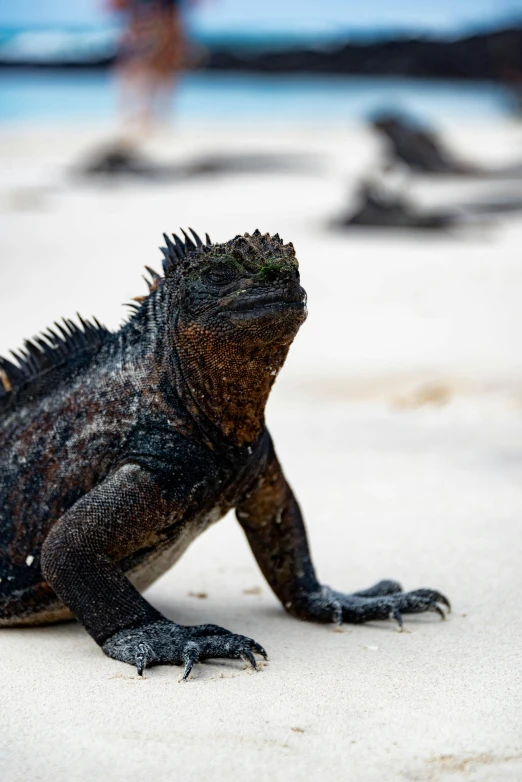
x: 117, y: 450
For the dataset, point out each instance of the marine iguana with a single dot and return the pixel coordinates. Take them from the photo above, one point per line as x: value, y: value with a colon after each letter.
x: 118, y: 448
x: 379, y: 207
x: 424, y: 152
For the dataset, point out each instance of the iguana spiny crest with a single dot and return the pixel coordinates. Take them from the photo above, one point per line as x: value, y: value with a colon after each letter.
x: 187, y: 263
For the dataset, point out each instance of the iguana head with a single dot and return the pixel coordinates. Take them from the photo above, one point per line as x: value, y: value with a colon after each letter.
x: 231, y: 311
x: 245, y: 290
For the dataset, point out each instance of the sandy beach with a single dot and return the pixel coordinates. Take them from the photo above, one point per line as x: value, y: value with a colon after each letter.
x: 398, y: 419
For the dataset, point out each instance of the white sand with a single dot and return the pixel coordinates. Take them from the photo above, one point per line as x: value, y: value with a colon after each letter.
x: 398, y: 420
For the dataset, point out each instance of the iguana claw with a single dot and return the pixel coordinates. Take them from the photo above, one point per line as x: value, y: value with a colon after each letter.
x: 141, y: 658
x: 191, y: 656
x: 258, y: 649
x: 247, y: 656
x: 396, y: 614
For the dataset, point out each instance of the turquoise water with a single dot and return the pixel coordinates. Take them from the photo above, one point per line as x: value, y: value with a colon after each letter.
x: 224, y: 98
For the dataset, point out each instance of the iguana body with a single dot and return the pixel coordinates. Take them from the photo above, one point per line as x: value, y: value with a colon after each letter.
x: 118, y: 449
x: 424, y: 152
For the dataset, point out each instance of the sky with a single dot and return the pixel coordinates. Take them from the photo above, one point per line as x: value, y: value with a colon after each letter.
x: 328, y: 16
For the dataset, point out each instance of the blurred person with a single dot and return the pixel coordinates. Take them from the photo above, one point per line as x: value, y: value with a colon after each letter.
x: 153, y: 51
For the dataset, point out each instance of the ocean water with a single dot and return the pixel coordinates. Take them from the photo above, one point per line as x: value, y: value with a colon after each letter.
x: 41, y: 96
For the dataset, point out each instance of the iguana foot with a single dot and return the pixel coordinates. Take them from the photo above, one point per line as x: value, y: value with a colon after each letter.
x: 166, y: 643
x: 385, y: 600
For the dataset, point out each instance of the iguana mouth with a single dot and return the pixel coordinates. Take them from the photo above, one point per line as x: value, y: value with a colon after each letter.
x: 274, y: 301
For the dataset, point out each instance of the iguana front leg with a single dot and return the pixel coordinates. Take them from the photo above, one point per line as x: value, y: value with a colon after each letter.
x: 273, y: 524
x: 80, y: 556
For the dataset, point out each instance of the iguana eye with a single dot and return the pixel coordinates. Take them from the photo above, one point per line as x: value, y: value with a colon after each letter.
x: 220, y: 274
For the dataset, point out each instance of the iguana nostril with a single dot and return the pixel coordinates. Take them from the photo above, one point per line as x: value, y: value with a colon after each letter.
x: 281, y: 273
x: 271, y: 275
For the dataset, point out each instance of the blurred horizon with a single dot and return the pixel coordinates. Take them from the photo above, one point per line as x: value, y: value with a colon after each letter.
x: 36, y: 33
x: 292, y: 20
